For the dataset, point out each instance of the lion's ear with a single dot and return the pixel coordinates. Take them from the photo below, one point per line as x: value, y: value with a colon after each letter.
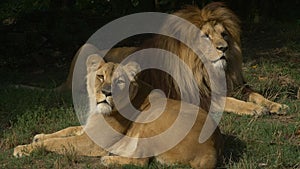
x: 132, y: 68
x: 93, y: 62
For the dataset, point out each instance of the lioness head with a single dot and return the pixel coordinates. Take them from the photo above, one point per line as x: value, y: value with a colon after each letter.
x: 105, y: 78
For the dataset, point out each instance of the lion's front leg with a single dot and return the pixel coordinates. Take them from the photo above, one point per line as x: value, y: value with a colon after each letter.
x: 70, y: 131
x: 118, y: 160
x: 80, y: 145
x: 243, y: 108
x: 273, y: 107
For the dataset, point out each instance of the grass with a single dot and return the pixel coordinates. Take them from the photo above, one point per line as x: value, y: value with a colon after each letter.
x: 266, y: 142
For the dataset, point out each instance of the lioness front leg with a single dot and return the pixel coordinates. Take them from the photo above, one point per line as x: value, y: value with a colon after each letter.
x: 243, y: 108
x: 70, y: 131
x: 118, y: 160
x: 80, y: 145
x: 273, y: 107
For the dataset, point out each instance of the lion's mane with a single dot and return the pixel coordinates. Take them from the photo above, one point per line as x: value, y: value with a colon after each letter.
x: 214, y: 13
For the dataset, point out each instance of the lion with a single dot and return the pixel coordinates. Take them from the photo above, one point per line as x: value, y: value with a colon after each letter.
x: 221, y: 27
x: 100, y: 77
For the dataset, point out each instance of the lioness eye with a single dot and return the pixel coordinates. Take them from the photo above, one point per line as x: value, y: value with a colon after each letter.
x: 206, y: 35
x: 100, y: 77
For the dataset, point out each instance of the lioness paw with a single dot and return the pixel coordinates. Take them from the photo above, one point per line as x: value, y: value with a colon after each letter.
x: 20, y: 151
x: 105, y: 160
x: 280, y: 109
x: 118, y: 160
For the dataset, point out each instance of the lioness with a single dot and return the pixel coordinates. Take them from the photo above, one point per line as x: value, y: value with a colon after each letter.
x: 99, y: 81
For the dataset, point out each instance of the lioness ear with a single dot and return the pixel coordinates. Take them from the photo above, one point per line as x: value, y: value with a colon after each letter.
x: 132, y: 68
x: 93, y: 62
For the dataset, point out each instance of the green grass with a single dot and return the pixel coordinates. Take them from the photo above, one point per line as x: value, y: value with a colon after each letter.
x: 269, y: 141
x: 265, y: 142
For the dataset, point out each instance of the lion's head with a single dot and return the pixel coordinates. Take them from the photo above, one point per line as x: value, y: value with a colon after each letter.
x: 220, y: 26
x: 104, y: 78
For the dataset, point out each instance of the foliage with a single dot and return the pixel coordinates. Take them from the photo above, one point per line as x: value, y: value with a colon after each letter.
x: 14, y: 8
x: 253, y: 10
x: 94, y: 6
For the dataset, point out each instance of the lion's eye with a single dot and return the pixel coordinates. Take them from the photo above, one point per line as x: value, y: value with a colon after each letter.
x: 100, y: 77
x: 224, y: 35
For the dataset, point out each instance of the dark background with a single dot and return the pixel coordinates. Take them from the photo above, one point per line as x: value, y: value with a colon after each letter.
x: 40, y: 37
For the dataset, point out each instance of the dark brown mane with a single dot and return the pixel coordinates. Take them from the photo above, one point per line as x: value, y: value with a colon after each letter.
x: 219, y: 12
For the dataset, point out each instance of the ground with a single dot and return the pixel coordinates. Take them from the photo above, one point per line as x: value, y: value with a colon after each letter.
x: 271, y: 65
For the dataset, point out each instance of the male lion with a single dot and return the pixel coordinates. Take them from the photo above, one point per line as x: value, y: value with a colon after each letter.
x: 221, y: 27
x: 99, y: 81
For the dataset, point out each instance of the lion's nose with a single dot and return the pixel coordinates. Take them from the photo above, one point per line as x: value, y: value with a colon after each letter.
x: 222, y: 48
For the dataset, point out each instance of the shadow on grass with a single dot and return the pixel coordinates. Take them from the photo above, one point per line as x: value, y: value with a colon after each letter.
x: 233, y: 149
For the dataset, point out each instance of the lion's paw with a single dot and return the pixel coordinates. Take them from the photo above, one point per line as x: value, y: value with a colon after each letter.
x: 20, y: 151
x: 38, y: 138
x: 253, y: 110
x: 280, y: 109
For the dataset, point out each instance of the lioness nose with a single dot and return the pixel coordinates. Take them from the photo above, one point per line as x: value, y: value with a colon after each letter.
x: 106, y: 93
x: 106, y: 89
